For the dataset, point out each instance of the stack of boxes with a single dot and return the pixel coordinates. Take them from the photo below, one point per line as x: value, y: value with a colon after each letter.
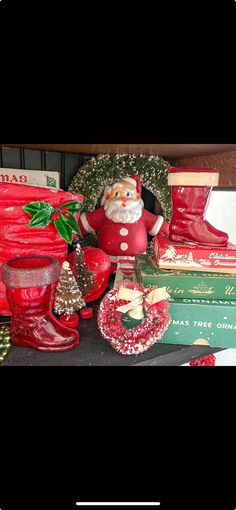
x: 202, y: 304
x: 201, y: 281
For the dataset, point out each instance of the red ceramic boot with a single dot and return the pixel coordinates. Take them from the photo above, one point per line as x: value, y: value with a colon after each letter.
x: 191, y: 191
x: 30, y: 283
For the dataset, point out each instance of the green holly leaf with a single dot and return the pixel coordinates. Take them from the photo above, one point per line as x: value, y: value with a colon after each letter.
x: 34, y: 207
x: 64, y: 230
x: 73, y: 207
x: 71, y: 221
x: 41, y: 219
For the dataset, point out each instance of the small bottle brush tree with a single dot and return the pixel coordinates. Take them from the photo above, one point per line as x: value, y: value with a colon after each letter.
x: 68, y: 296
x: 85, y: 278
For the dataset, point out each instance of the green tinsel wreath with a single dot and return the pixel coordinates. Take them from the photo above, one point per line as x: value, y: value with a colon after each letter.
x: 103, y: 170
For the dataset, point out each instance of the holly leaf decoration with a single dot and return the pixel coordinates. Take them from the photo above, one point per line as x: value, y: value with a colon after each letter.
x: 41, y: 219
x: 44, y: 214
x: 72, y: 223
x: 65, y: 231
x: 35, y: 207
x: 74, y: 207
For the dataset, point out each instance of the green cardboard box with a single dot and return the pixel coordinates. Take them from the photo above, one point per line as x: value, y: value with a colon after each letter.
x: 185, y: 284
x: 202, y: 322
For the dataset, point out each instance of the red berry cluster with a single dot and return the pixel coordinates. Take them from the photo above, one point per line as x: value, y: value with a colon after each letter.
x: 64, y: 210
x: 57, y: 214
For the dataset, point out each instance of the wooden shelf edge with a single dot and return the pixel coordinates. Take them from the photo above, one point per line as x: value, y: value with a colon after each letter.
x: 165, y: 150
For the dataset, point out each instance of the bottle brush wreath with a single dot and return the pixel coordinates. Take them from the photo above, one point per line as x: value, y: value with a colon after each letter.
x: 133, y: 318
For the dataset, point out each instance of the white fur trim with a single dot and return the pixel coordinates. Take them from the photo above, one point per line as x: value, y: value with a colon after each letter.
x: 157, y: 226
x: 85, y: 223
x: 117, y: 185
x: 194, y: 179
x: 131, y: 181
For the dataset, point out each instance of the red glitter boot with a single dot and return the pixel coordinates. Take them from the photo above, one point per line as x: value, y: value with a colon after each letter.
x: 30, y: 283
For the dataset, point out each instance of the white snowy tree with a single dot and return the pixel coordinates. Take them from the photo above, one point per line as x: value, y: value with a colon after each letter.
x: 170, y: 255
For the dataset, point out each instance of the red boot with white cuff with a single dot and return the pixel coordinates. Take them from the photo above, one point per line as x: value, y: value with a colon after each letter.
x: 191, y: 191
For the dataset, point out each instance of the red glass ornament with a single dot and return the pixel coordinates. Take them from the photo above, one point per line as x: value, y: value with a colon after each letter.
x: 86, y: 313
x: 30, y: 283
x: 99, y: 263
x: 71, y: 321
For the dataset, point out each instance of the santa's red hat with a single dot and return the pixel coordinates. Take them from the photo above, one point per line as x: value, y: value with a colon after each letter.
x: 135, y: 181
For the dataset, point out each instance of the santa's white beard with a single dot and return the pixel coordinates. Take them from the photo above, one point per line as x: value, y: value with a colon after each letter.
x: 130, y: 214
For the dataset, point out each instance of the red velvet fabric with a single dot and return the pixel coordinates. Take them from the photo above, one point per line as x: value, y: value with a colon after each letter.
x: 17, y: 239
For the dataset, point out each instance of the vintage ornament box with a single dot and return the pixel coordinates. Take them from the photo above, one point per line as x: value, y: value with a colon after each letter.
x: 193, y: 257
x: 185, y: 284
x: 202, y: 322
x: 45, y: 179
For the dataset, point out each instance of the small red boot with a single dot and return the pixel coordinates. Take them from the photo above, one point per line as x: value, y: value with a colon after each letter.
x: 191, y: 191
x: 30, y: 283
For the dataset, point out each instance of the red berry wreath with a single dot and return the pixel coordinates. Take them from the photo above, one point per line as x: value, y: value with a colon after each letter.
x: 128, y: 335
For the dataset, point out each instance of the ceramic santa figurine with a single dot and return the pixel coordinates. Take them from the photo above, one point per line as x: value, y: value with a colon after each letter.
x: 122, y: 223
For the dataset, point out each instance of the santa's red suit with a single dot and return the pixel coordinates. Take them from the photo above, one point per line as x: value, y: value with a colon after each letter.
x: 120, y: 239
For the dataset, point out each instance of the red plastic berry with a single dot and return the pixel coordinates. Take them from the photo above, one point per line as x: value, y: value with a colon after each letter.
x: 71, y: 322
x: 64, y: 209
x: 56, y: 216
x: 86, y: 313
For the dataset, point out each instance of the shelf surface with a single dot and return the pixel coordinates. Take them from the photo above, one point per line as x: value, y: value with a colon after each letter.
x: 95, y: 351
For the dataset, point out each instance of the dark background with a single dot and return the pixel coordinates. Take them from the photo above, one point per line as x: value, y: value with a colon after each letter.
x: 115, y: 435
x: 189, y: 479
